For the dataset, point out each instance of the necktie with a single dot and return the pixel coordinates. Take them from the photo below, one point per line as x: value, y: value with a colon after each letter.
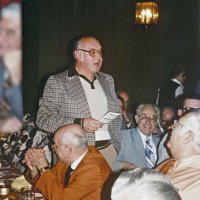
x: 68, y: 175
x: 149, y: 154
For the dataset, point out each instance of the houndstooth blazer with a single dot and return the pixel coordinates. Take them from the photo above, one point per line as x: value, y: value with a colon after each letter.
x: 64, y: 100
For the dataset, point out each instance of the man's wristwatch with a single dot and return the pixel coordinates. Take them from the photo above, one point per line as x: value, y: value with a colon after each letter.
x: 43, y: 169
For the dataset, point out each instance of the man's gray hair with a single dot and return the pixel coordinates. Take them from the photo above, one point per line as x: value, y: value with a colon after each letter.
x: 141, y: 106
x: 192, y: 124
x: 143, y: 184
x: 72, y: 138
x: 13, y: 10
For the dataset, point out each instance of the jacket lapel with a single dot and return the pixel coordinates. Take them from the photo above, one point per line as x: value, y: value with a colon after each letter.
x: 77, y: 92
x: 139, y: 146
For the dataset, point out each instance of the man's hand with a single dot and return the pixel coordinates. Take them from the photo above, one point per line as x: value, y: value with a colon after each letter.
x: 36, y: 158
x: 91, y: 125
x: 127, y: 166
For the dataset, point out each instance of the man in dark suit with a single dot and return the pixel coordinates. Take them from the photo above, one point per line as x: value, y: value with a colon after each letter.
x: 82, y: 95
x: 172, y: 88
x: 80, y: 172
x: 133, y: 152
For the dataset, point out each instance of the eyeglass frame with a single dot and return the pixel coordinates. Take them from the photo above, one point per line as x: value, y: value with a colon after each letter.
x: 149, y: 118
x: 176, y: 124
x: 90, y: 52
x: 190, y: 109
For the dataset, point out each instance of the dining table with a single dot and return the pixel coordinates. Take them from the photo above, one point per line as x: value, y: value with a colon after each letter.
x: 10, y: 176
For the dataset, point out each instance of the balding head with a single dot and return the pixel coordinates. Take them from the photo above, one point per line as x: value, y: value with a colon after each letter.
x: 70, y: 143
x: 185, y: 137
x: 71, y: 134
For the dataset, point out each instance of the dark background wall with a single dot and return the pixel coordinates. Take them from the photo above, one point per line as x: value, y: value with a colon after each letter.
x: 139, y: 59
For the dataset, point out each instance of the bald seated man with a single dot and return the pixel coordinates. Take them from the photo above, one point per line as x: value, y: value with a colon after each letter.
x: 184, y: 144
x: 80, y: 172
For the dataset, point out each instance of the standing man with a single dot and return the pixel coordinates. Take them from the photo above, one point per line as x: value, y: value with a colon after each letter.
x: 172, y: 88
x: 189, y: 102
x: 82, y: 95
x: 80, y: 172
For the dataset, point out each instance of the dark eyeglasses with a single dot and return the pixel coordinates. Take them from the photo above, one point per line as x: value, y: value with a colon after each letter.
x: 92, y: 52
x: 190, y: 109
x: 176, y: 124
x: 152, y: 119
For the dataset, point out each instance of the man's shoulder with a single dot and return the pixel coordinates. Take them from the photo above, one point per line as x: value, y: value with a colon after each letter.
x: 104, y: 75
x: 169, y: 84
x: 132, y: 131
x: 94, y: 158
x: 127, y: 134
x: 60, y: 74
x: 58, y: 77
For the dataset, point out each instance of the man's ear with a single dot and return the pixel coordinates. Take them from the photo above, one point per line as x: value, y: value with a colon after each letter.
x: 137, y: 118
x: 77, y: 55
x: 188, y: 137
x: 180, y: 112
x: 68, y: 148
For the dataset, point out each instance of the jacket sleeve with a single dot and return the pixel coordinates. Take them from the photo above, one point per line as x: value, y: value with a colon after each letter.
x: 49, y: 116
x: 116, y: 124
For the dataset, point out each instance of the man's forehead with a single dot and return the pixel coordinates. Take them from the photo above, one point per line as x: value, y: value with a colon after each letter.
x: 194, y: 103
x: 148, y: 110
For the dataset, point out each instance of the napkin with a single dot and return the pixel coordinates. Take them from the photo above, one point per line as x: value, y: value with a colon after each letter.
x: 20, y: 183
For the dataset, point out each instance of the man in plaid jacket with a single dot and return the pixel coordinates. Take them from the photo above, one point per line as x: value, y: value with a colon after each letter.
x: 82, y: 95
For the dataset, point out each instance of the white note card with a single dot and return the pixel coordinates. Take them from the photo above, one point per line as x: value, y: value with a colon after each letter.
x: 109, y: 116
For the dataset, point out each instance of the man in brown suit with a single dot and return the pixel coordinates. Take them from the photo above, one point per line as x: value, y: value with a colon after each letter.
x: 88, y: 171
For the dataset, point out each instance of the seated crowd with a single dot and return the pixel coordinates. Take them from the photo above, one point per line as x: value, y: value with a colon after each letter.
x: 80, y: 171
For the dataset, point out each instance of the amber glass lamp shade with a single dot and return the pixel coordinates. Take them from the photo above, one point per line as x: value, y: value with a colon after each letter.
x: 146, y: 13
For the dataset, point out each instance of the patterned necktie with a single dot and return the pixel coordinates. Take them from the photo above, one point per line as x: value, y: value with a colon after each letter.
x: 149, y: 154
x: 68, y: 174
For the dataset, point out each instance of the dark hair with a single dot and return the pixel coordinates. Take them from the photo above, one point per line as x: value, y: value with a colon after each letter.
x: 177, y: 69
x: 181, y: 99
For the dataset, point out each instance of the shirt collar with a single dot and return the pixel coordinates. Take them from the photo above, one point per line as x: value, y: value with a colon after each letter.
x: 144, y: 137
x: 176, y: 81
x: 77, y: 161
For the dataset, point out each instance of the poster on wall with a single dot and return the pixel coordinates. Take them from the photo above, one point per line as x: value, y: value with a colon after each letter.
x: 11, y: 104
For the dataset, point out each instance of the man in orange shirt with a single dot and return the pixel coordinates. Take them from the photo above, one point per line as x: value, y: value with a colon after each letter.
x: 89, y: 170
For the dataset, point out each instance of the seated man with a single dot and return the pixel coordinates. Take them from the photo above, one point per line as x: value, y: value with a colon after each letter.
x: 138, y: 145
x: 127, y: 121
x: 142, y: 184
x: 189, y: 102
x: 184, y: 145
x: 79, y: 174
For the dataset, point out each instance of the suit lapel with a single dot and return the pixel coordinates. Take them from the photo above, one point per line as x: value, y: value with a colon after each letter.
x: 139, y: 146
x: 77, y: 92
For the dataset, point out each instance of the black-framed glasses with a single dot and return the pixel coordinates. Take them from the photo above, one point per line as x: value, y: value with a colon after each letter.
x: 92, y: 52
x: 151, y: 118
x: 190, y: 109
x: 176, y: 124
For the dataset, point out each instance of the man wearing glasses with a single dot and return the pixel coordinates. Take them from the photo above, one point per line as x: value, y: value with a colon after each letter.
x: 189, y: 103
x: 138, y: 145
x: 82, y: 95
x: 79, y: 173
x: 184, y: 168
